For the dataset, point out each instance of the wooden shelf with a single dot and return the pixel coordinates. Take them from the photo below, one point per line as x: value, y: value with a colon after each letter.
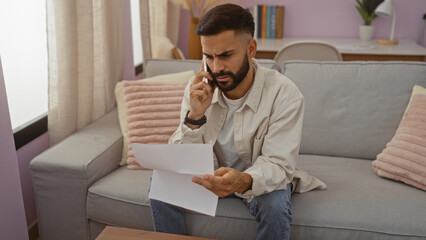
x: 369, y: 57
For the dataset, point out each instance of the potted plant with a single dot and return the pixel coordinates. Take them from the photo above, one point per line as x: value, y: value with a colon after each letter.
x: 366, y: 10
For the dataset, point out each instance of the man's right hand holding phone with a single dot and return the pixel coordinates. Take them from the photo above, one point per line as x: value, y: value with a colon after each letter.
x: 201, y: 94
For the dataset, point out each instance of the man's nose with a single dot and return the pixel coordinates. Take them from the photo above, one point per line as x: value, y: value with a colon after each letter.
x: 217, y: 65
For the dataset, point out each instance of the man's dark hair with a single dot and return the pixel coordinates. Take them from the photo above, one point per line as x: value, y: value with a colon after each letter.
x: 226, y: 17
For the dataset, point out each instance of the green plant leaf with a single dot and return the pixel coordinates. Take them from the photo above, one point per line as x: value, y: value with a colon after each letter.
x: 366, y: 10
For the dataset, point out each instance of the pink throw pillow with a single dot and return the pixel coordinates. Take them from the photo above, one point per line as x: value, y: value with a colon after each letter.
x: 153, y: 113
x: 404, y: 158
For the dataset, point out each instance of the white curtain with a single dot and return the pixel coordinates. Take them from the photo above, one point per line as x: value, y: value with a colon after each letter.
x: 86, y: 59
x: 145, y: 29
x: 173, y: 21
x: 158, y: 18
x: 164, y: 19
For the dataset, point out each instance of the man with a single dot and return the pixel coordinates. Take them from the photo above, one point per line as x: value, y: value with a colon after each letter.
x: 251, y: 114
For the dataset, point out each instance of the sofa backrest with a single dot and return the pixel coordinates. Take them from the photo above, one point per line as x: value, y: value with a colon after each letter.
x: 154, y: 67
x: 352, y: 109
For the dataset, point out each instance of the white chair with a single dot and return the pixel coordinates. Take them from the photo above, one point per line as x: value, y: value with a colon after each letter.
x: 307, y: 50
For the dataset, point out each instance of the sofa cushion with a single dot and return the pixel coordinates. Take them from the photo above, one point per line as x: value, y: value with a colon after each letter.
x: 153, y: 112
x: 357, y: 203
x: 352, y: 108
x: 416, y: 90
x: 174, y: 78
x: 121, y: 199
x: 154, y: 67
x: 404, y: 158
x: 122, y: 116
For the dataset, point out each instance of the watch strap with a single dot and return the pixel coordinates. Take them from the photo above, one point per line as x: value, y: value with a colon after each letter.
x: 198, y: 122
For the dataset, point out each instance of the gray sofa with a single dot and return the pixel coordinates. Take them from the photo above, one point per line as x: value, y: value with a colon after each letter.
x: 352, y: 111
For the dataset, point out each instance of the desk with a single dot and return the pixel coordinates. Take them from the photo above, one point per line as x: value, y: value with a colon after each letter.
x: 352, y: 49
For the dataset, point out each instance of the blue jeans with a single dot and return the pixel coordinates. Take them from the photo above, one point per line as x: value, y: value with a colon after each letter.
x: 272, y: 212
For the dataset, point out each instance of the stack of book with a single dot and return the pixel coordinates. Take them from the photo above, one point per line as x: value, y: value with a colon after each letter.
x: 268, y: 21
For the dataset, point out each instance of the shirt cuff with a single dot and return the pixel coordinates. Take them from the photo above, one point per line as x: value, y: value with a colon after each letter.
x: 191, y: 134
x: 257, y: 186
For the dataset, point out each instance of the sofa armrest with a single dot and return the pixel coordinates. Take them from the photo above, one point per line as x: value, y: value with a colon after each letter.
x: 63, y: 173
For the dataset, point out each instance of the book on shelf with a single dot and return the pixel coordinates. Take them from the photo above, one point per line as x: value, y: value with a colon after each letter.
x: 263, y: 24
x: 273, y: 32
x: 280, y: 22
x: 269, y: 21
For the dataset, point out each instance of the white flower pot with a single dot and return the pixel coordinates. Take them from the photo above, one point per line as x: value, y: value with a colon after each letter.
x: 366, y: 32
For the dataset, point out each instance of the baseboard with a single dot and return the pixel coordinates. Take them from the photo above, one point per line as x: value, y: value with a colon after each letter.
x: 33, y: 231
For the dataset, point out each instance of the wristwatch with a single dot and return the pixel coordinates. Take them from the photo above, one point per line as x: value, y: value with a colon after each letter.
x: 198, y: 122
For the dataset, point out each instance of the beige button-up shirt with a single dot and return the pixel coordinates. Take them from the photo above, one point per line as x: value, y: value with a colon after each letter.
x: 267, y: 129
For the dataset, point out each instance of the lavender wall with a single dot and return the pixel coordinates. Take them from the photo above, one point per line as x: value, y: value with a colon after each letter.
x: 12, y: 217
x: 25, y: 155
x: 332, y: 18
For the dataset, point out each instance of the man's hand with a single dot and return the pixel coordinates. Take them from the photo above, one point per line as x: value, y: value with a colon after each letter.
x: 225, y: 181
x: 201, y: 95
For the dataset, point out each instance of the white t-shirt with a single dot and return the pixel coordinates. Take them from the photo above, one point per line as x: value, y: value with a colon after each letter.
x: 226, y: 153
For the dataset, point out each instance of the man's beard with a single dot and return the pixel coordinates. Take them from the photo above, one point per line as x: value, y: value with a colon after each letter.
x: 236, y: 79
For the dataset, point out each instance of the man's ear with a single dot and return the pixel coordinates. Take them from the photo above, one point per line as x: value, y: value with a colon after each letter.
x: 252, y: 48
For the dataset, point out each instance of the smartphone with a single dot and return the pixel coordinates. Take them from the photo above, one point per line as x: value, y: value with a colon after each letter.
x: 207, y: 69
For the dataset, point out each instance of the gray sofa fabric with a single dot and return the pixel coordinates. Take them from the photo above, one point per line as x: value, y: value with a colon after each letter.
x: 154, y: 67
x: 121, y: 199
x: 80, y: 187
x: 63, y: 173
x: 352, y: 108
x: 357, y: 203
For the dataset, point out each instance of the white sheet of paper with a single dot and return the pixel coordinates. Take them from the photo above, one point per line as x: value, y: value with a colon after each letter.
x: 174, y: 166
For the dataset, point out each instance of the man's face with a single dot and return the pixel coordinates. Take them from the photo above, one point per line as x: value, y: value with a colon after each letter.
x: 227, y: 59
x: 236, y: 78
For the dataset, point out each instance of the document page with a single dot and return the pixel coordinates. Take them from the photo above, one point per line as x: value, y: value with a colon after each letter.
x: 174, y: 166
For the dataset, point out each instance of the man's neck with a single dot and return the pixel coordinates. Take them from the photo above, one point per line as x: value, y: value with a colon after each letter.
x: 243, y: 87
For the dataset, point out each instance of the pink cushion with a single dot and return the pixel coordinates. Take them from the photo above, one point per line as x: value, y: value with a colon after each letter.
x: 153, y: 113
x: 404, y: 158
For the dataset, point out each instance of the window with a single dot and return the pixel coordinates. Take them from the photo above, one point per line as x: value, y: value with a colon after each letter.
x: 23, y: 49
x: 136, y: 35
